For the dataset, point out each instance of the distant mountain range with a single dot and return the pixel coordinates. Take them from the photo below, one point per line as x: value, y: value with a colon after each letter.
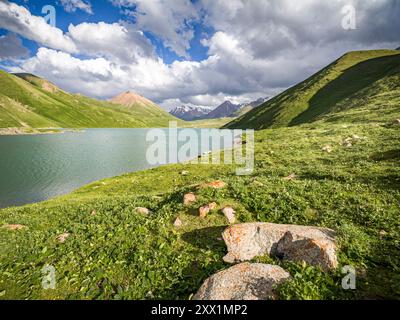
x: 189, y: 113
x: 226, y: 110
x: 27, y: 101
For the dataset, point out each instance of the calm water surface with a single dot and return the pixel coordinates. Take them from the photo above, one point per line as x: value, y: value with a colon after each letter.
x: 38, y: 167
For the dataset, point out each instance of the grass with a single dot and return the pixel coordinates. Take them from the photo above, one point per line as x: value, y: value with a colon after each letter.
x: 30, y: 102
x: 206, y: 123
x: 120, y: 254
x: 358, y: 79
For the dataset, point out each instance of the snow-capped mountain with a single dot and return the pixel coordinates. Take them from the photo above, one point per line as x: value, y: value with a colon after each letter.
x: 189, y: 113
x: 225, y: 110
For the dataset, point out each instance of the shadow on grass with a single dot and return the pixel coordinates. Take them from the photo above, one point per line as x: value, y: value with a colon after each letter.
x: 207, y: 238
x: 386, y: 156
x: 384, y: 181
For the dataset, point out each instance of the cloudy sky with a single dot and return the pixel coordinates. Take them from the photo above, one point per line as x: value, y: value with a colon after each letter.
x: 198, y: 52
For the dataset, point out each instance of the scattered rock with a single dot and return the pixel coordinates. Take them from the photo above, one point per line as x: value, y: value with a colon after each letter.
x: 189, y: 198
x: 290, y: 177
x: 15, y: 227
x: 347, y: 143
x: 212, y: 206
x: 382, y: 233
x: 203, y: 211
x: 215, y: 184
x: 245, y: 281
x: 62, y: 237
x: 229, y: 214
x: 328, y: 148
x: 142, y: 210
x: 249, y: 240
x: 178, y: 223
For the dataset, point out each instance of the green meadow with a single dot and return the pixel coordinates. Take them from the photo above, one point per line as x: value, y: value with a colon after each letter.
x: 114, y: 252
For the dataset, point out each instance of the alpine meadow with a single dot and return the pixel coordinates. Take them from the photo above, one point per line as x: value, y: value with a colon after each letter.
x: 309, y: 105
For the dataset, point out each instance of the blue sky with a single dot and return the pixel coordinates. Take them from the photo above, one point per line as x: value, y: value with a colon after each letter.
x: 193, y: 52
x: 103, y: 10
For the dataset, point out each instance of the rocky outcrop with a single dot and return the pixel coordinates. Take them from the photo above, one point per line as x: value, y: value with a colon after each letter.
x: 245, y: 281
x: 313, y: 245
x: 316, y: 252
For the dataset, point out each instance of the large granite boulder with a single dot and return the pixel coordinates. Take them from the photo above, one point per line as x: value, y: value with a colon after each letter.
x: 313, y: 245
x: 245, y: 281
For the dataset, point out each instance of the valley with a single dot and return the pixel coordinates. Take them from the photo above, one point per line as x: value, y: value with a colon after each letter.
x: 326, y: 155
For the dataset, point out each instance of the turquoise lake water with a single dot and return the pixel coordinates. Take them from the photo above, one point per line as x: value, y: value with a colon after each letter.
x: 38, y: 167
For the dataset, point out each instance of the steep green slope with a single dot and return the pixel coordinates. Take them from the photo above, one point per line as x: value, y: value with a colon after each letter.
x: 29, y: 101
x: 358, y: 79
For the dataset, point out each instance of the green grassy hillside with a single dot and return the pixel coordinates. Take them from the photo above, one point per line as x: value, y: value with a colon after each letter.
x: 114, y: 252
x: 366, y: 79
x: 30, y: 102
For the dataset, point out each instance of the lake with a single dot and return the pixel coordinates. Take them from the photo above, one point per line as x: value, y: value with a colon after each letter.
x: 34, y: 168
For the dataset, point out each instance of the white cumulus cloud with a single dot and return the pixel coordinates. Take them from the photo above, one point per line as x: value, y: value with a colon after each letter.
x: 73, y: 5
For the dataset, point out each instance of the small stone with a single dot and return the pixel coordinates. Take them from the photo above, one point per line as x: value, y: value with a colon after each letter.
x: 62, y: 237
x: 184, y: 173
x: 290, y: 177
x: 189, y: 198
x: 245, y: 281
x: 203, y: 211
x: 229, y: 214
x: 347, y: 143
x: 93, y: 213
x: 142, y: 210
x: 327, y: 148
x: 382, y: 233
x: 215, y: 184
x: 355, y: 137
x: 396, y: 122
x: 15, y: 227
x: 212, y: 206
x: 178, y: 223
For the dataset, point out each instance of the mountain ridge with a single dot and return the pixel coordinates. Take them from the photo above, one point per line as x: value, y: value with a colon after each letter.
x: 343, y: 84
x: 28, y: 101
x: 189, y: 113
x: 225, y: 110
